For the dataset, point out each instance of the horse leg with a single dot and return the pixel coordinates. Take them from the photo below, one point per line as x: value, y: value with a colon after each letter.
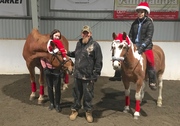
x: 33, y: 83
x: 160, y: 82
x: 138, y: 98
x: 127, y: 97
x: 41, y: 83
x: 142, y: 91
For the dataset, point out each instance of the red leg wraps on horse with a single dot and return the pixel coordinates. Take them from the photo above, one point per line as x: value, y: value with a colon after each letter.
x: 66, y: 78
x: 33, y: 87
x: 137, y: 105
x: 127, y: 100
x: 41, y: 90
x: 150, y: 57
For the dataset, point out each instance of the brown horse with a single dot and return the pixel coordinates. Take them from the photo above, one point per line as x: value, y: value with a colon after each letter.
x: 34, y: 49
x: 133, y: 67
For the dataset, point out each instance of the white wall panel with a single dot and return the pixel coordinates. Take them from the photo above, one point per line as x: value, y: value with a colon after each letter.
x: 13, y: 62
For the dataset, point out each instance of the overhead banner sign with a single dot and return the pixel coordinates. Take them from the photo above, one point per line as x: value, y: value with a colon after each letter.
x: 13, y: 8
x: 160, y: 9
x: 93, y: 5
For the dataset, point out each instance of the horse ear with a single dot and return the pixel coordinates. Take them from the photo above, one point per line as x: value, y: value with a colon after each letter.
x: 124, y: 35
x: 52, y: 43
x: 114, y: 35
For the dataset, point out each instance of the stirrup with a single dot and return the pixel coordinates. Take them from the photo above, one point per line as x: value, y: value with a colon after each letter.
x: 153, y: 86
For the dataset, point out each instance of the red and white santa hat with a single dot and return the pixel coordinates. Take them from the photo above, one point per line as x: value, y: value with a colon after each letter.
x: 143, y: 5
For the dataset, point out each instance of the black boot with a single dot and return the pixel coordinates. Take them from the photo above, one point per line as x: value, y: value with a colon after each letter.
x: 58, y: 97
x: 117, y: 76
x: 152, y: 79
x: 51, y: 106
x: 58, y: 108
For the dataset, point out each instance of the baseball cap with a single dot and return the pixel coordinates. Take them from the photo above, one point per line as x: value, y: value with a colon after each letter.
x: 86, y: 28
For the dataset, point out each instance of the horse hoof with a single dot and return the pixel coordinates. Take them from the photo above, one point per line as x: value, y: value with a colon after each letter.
x: 125, y: 111
x: 136, y: 117
x: 159, y: 105
x: 40, y: 99
x: 31, y: 98
x: 40, y: 102
x: 159, y: 102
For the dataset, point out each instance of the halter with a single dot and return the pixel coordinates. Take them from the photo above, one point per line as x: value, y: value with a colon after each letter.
x: 124, y: 44
x: 62, y: 63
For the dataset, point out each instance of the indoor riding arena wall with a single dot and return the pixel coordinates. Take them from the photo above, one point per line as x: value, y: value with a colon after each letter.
x: 12, y: 61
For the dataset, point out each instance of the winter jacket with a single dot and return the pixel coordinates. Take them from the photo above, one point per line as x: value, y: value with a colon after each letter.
x: 88, y: 60
x: 146, y: 32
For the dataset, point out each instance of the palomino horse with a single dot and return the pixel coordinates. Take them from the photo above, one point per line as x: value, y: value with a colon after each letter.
x: 133, y: 67
x: 36, y: 47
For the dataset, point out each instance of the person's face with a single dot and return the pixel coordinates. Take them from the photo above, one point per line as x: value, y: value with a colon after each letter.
x: 85, y: 36
x: 56, y: 35
x: 141, y: 13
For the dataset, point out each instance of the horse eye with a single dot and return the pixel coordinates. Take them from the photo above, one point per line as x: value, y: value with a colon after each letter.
x: 120, y: 46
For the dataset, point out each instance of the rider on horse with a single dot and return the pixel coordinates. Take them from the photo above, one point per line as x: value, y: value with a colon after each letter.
x: 141, y: 34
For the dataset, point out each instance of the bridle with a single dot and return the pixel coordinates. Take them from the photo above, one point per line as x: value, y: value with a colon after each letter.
x: 122, y: 58
x: 55, y: 54
x: 62, y: 63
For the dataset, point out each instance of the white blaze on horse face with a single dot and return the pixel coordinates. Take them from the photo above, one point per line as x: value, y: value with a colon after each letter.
x: 116, y: 45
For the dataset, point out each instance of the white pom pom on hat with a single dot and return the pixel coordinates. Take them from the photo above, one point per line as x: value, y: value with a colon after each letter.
x: 143, y: 5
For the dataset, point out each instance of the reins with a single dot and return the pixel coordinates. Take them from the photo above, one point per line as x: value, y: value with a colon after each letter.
x: 125, y: 56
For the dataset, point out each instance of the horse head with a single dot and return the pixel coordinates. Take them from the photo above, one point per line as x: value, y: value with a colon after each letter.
x: 119, y: 47
x: 56, y: 58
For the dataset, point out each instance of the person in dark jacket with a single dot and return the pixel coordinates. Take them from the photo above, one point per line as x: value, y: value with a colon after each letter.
x: 141, y: 34
x: 88, y: 65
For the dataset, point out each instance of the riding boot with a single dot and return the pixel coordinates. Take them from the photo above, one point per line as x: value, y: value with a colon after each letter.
x: 152, y: 79
x: 51, y: 98
x: 117, y: 76
x: 57, y: 99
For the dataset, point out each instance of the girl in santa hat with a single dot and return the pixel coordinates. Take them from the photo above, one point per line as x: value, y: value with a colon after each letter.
x: 56, y: 36
x: 52, y: 75
x: 141, y: 34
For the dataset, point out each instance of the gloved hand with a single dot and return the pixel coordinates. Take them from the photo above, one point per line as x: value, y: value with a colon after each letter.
x: 142, y: 48
x: 68, y: 53
x: 64, y: 58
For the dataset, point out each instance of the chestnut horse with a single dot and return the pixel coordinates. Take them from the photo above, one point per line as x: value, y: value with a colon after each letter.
x: 133, y: 67
x: 35, y: 48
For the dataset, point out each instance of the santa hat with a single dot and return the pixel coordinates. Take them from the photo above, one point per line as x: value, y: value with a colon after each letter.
x: 120, y: 38
x: 143, y: 5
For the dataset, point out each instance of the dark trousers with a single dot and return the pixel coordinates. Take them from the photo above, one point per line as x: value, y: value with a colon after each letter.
x: 83, y: 89
x: 53, y: 79
x: 117, y: 73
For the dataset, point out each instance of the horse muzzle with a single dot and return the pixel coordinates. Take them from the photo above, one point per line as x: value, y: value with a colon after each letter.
x: 117, y: 62
x: 116, y: 65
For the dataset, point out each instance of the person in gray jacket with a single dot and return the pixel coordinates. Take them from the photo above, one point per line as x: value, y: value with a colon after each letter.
x: 88, y: 65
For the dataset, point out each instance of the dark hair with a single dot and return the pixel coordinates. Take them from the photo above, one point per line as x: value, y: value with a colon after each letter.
x: 146, y: 13
x: 54, y: 32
